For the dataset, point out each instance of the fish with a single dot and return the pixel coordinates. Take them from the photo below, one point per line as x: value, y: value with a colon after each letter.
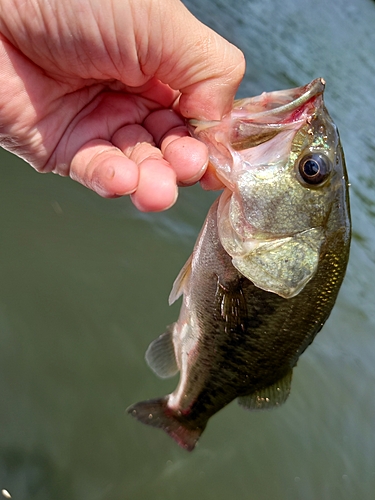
x: 267, y: 265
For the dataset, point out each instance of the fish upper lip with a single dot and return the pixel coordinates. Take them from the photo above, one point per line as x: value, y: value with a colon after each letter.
x: 311, y: 90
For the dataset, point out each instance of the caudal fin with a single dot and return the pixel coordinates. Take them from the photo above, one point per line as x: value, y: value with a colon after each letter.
x: 155, y: 412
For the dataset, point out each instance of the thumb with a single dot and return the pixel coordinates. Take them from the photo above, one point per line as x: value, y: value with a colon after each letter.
x: 214, y: 77
x: 191, y: 58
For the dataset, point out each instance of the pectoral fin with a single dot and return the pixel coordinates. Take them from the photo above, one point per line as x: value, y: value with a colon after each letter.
x: 232, y: 306
x: 285, y: 266
x: 274, y: 395
x: 160, y: 355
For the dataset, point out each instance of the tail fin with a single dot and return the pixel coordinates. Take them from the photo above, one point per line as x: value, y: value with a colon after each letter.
x: 155, y: 412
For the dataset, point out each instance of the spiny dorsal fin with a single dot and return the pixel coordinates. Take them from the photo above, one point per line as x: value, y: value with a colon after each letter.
x: 274, y: 395
x: 160, y: 355
x: 180, y: 281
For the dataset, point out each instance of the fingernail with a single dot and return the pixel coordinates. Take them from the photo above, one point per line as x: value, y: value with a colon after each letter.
x: 195, y: 178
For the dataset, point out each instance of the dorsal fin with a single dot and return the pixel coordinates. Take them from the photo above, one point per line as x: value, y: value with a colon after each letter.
x: 160, y: 355
x: 274, y: 395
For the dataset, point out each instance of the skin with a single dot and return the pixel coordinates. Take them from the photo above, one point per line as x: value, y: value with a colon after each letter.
x: 98, y: 90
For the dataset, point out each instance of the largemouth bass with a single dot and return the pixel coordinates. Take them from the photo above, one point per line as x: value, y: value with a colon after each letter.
x: 266, y: 268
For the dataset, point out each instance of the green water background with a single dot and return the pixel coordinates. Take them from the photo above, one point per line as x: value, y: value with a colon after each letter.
x: 84, y: 284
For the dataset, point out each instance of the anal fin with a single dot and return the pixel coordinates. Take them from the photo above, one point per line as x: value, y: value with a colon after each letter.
x: 160, y: 355
x: 270, y: 397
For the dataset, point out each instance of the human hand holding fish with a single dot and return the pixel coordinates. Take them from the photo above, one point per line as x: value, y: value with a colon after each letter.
x: 266, y: 268
x: 98, y: 90
x: 82, y: 96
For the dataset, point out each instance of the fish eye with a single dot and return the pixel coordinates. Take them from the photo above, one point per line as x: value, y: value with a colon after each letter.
x: 314, y: 168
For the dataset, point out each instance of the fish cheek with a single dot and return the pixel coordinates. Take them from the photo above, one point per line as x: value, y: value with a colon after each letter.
x: 272, y: 207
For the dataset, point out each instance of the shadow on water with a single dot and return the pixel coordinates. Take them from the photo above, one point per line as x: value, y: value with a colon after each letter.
x: 84, y: 288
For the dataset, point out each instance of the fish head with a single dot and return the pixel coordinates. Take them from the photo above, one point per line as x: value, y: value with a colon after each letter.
x: 280, y: 158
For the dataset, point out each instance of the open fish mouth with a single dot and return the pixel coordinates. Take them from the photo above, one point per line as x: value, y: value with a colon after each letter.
x: 285, y: 101
x: 251, y: 126
x: 279, y: 111
x: 269, y: 104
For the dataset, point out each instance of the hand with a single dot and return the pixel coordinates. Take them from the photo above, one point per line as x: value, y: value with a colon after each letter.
x: 97, y: 90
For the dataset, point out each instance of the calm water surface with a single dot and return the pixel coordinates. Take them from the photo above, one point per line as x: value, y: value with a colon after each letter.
x: 83, y: 290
